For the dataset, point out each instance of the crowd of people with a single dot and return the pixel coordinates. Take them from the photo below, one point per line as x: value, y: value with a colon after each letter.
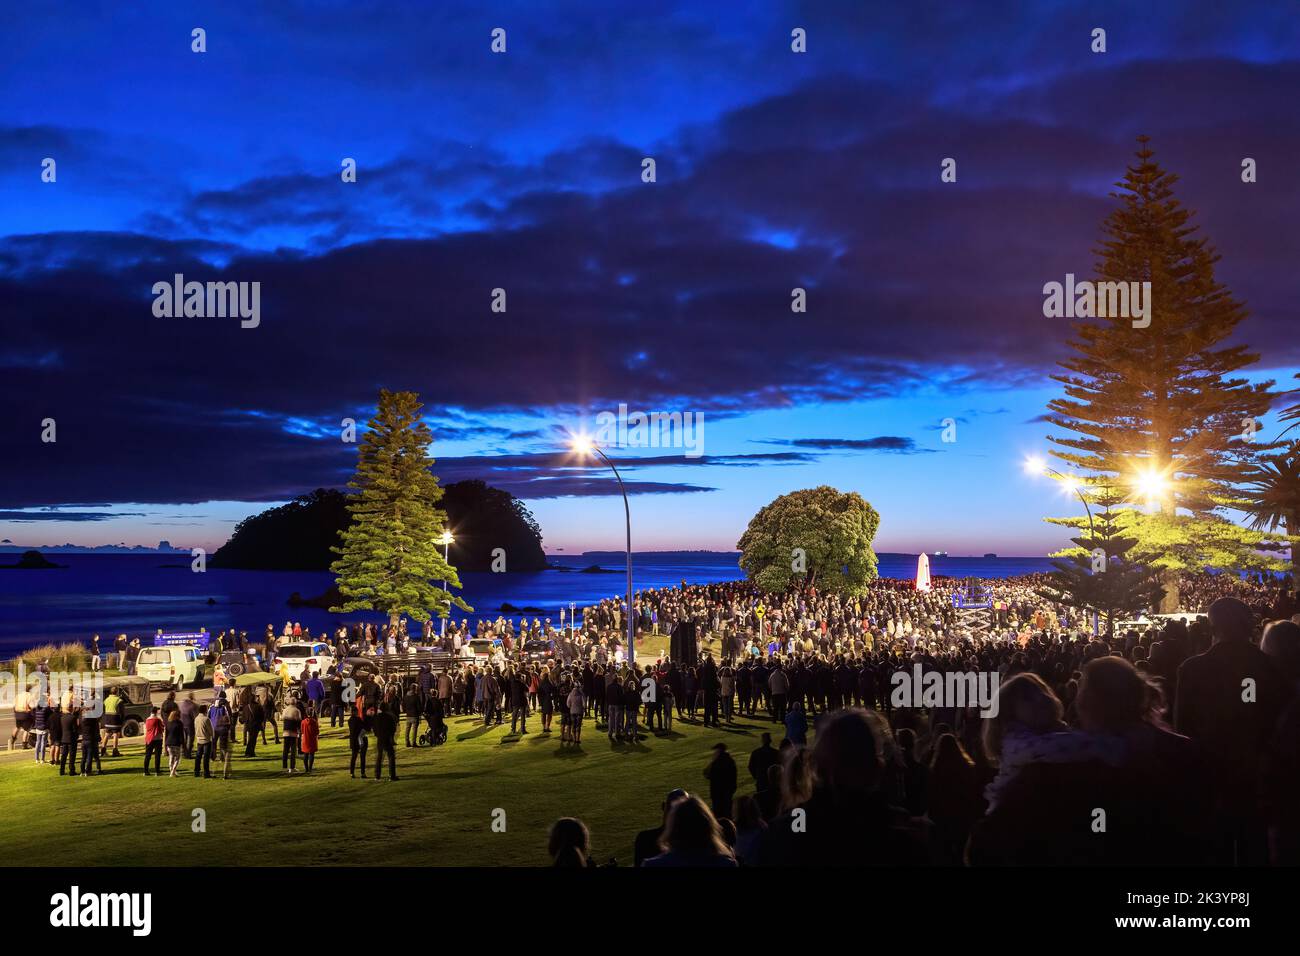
x: 1169, y: 742
x: 1179, y: 745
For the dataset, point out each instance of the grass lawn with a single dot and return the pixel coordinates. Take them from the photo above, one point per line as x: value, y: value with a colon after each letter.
x: 438, y: 814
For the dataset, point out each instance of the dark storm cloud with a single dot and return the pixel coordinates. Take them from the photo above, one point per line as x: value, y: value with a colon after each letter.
x: 667, y: 295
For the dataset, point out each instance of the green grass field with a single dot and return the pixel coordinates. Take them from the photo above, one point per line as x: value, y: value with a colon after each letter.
x: 439, y: 813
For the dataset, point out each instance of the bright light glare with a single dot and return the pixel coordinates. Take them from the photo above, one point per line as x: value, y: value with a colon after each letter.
x: 446, y: 538
x: 1035, y: 465
x: 1151, y: 484
x: 582, y: 444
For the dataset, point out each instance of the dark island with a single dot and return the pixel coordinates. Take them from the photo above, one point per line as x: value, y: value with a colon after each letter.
x: 299, y: 536
x: 31, y: 561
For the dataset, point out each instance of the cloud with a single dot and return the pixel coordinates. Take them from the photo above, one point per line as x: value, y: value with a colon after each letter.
x: 57, y: 515
x: 886, y: 443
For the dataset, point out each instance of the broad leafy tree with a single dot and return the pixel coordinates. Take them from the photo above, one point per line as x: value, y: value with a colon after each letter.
x: 817, y: 536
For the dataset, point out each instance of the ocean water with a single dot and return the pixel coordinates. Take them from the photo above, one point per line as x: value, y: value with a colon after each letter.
x: 108, y: 594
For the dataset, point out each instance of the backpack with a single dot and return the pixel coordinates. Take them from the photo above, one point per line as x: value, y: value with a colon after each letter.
x: 220, y: 718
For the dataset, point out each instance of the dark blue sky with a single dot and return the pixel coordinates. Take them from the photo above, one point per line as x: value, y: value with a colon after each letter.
x: 522, y: 171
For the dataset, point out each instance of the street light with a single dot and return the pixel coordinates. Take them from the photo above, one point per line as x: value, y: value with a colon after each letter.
x: 446, y: 541
x: 1036, y: 466
x: 1151, y: 484
x: 583, y: 446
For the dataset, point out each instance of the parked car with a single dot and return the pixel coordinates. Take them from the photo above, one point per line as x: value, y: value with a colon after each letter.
x: 172, y: 665
x: 538, y: 650
x: 135, y: 691
x: 478, y: 650
x: 317, y: 655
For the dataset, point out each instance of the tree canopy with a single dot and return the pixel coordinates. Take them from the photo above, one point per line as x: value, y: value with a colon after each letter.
x: 816, y: 536
x: 1161, y: 411
x: 390, y: 558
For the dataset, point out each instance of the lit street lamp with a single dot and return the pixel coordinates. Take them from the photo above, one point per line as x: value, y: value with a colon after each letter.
x: 583, y: 446
x: 1036, y: 466
x: 446, y: 542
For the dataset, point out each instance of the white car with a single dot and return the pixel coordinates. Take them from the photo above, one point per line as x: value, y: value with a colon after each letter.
x: 176, y: 665
x: 316, y: 655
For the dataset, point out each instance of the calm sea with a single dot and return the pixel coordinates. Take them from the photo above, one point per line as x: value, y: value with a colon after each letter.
x: 108, y: 594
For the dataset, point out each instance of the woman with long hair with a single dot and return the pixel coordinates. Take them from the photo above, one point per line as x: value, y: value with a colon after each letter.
x: 692, y: 837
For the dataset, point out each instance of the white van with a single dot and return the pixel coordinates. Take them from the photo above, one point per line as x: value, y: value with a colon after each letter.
x: 177, y: 666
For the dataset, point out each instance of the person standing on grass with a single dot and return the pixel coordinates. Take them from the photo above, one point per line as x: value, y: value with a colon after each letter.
x: 315, y: 691
x: 291, y: 719
x: 796, y: 725
x: 202, y: 736
x: 268, y: 712
x: 310, y: 738
x: 721, y: 774
x: 385, y: 728
x: 114, y: 719
x: 411, y: 707
x: 614, y: 706
x: 22, y: 717
x: 69, y: 728
x: 153, y: 742
x: 631, y: 706
x: 358, y: 740
x: 254, y: 718
x: 188, y: 710
x: 577, y: 705
x: 222, y: 730
x: 42, y: 715
x: 778, y: 685
x: 175, y: 734
x: 546, y: 699
x: 335, y: 697
x: 90, y: 738
x: 519, y: 701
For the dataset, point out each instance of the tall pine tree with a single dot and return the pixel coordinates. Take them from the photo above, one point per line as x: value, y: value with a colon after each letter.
x: 1160, y: 411
x: 391, y: 559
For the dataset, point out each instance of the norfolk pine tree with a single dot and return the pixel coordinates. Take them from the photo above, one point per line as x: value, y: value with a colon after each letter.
x: 1120, y: 586
x: 1165, y: 405
x: 390, y: 559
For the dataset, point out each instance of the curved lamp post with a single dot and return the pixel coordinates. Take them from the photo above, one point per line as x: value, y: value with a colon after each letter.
x: 446, y: 541
x: 583, y: 446
x: 1036, y: 466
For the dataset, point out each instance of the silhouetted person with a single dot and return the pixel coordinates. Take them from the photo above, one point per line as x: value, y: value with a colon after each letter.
x: 846, y: 820
x: 1229, y: 701
x: 760, y: 759
x: 692, y: 838
x: 1282, y: 758
x: 721, y: 774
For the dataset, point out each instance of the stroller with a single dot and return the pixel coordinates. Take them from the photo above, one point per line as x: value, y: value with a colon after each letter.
x: 434, y: 736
